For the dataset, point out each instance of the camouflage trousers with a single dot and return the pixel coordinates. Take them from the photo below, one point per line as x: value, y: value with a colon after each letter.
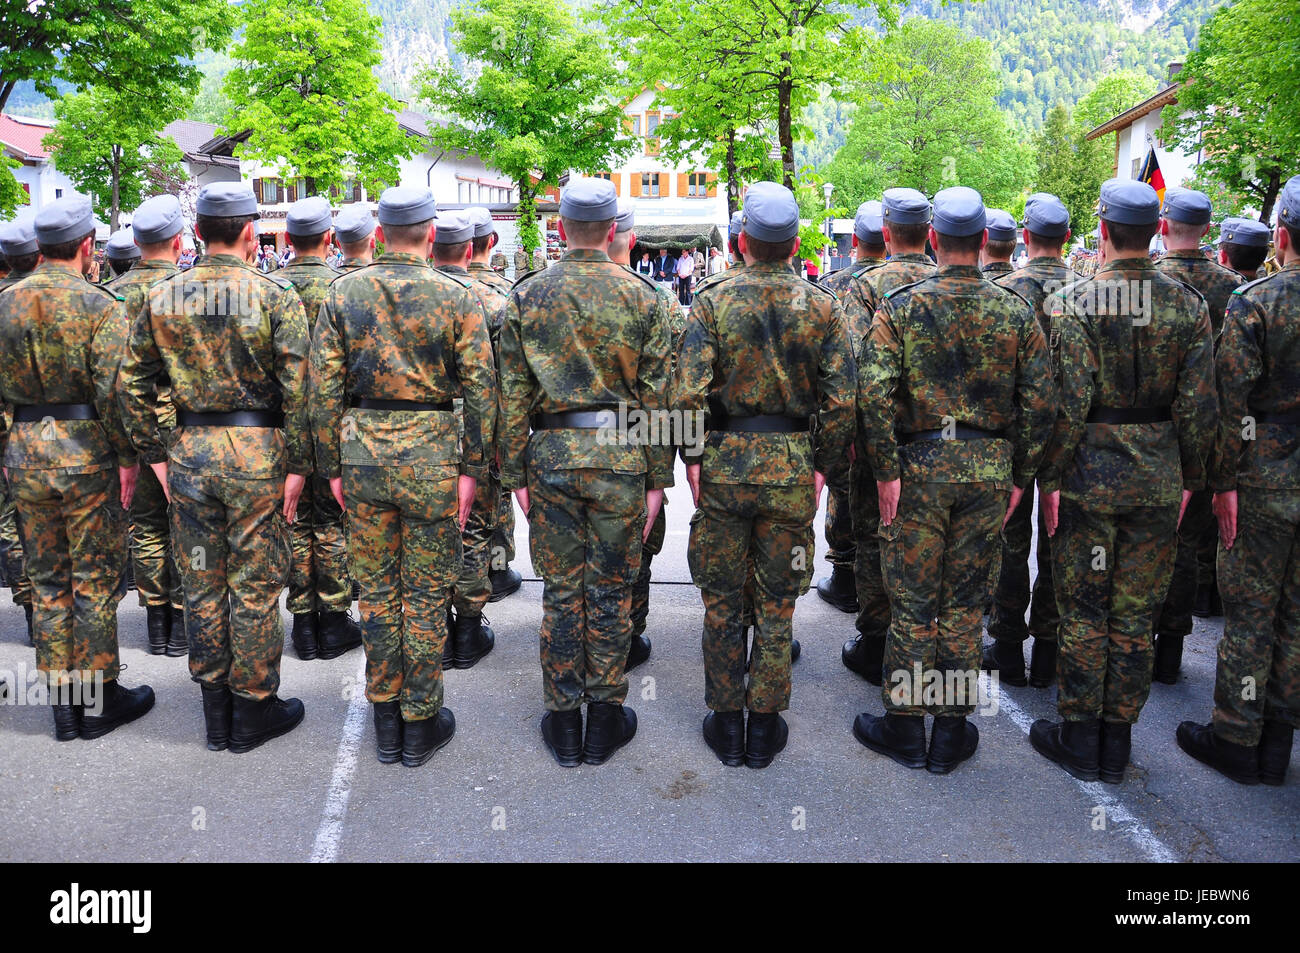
x: 11, y: 549
x: 1112, y: 571
x: 473, y: 587
x: 840, y: 542
x: 1011, y: 596
x: 319, y: 576
x: 1258, y: 673
x: 73, y: 528
x: 734, y: 527
x: 406, y: 551
x: 873, y: 600
x: 937, y: 557
x: 231, y: 544
x: 1175, y: 615
x: 157, y: 580
x: 585, y: 539
x: 503, y: 532
x: 653, y: 545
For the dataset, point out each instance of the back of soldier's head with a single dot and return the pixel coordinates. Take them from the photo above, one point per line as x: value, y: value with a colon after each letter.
x: 588, y: 209
x: 960, y: 221
x: 63, y: 227
x: 770, y: 223
x: 452, y: 237
x: 1130, y: 210
x: 406, y: 213
x: 308, y: 224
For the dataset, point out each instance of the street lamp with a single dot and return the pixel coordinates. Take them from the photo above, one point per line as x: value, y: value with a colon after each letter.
x: 827, y: 189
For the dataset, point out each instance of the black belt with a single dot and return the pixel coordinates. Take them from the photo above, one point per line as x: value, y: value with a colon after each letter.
x: 762, y: 423
x: 235, y: 418
x: 34, y: 413
x: 576, y: 420
x: 1129, y: 415
x: 374, y: 403
x: 959, y: 432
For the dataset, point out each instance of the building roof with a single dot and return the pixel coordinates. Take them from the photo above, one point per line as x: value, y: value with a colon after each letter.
x: 23, y: 136
x: 188, y: 135
x: 1125, y: 119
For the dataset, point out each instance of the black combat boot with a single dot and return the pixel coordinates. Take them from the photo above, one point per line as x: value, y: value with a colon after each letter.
x: 901, y: 737
x: 609, y: 727
x: 864, y: 655
x: 562, y: 732
x: 1207, y: 604
x: 388, y: 731
x: 1169, y: 656
x: 178, y: 643
x: 1239, y: 762
x: 638, y: 652
x: 254, y: 723
x: 1274, y: 752
x: 157, y: 623
x: 1008, y: 660
x: 952, y: 741
x: 1074, y: 745
x: 795, y: 650
x: 420, y: 739
x: 67, y: 722
x: 216, y: 715
x: 839, y: 589
x: 1042, y: 663
x: 504, y: 582
x: 304, y: 635
x: 765, y: 736
x: 117, y: 706
x: 337, y: 632
x: 471, y: 639
x: 724, y: 732
x: 31, y: 633
x: 1116, y: 746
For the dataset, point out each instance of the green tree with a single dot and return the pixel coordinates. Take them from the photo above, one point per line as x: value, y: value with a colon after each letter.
x: 1094, y: 162
x: 304, y: 84
x: 12, y: 196
x: 544, y: 102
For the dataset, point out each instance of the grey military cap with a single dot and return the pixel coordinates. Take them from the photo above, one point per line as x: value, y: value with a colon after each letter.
x: 227, y: 200
x: 771, y: 213
x: 354, y: 223
x: 453, y: 228
x: 959, y: 211
x: 625, y: 220
x: 158, y: 219
x: 589, y: 200
x: 1288, y: 205
x: 905, y: 207
x: 736, y: 225
x: 1128, y: 202
x: 65, y: 220
x: 1187, y: 205
x: 1001, y: 226
x: 406, y: 205
x: 1244, y: 231
x: 19, y: 236
x: 1046, y: 215
x: 121, y: 246
x: 482, y: 219
x: 309, y: 216
x: 868, y: 222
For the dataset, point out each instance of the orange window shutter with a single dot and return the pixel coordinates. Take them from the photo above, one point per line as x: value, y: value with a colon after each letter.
x: 617, y: 181
x: 257, y: 190
x: 681, y: 185
x: 712, y: 182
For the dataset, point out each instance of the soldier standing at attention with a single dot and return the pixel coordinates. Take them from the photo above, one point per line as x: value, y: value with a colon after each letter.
x: 1255, y: 475
x: 71, y: 469
x: 581, y: 341
x: 494, y: 289
x: 763, y: 352
x: 354, y: 228
x: 320, y: 591
x: 521, y: 262
x: 1243, y: 246
x: 470, y: 638
x: 995, y: 258
x: 957, y: 403
x: 1047, y: 229
x: 394, y: 345
x: 1184, y: 221
x: 156, y: 229
x: 233, y: 343
x: 121, y: 253
x: 1137, y: 395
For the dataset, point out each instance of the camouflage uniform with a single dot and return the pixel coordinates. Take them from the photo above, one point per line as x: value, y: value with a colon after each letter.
x: 11, y: 544
x: 585, y: 334
x: 1258, y: 373
x: 243, y: 349
x: 950, y: 356
x: 521, y: 263
x: 1121, y: 483
x: 61, y: 340
x: 761, y: 342
x: 996, y: 269
x: 402, y: 331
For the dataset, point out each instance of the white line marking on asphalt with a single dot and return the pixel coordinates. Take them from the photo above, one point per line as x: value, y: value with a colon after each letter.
x: 330, y: 832
x: 1116, y: 813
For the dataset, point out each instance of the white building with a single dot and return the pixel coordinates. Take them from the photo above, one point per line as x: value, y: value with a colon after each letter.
x: 21, y: 139
x: 1139, y: 129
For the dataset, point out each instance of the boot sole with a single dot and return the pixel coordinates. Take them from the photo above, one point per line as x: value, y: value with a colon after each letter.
x: 1083, y: 774
x: 158, y: 650
x: 304, y: 656
x: 103, y: 728
x: 463, y: 663
x: 1110, y: 777
x: 243, y: 747
x: 1164, y: 679
x: 391, y: 757
x: 497, y: 596
x: 914, y: 763
x: 730, y: 760
x: 177, y: 653
x: 1248, y: 780
x: 563, y: 760
x: 1042, y: 682
x: 218, y: 745
x: 600, y: 758
x: 334, y: 653
x: 424, y: 758
x: 839, y: 603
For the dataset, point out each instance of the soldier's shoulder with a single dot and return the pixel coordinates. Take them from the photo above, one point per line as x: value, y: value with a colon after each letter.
x: 644, y: 279
x: 1189, y: 290
x: 1010, y: 293
x: 527, y: 277
x: 1277, y: 280
x: 901, y: 292
x: 464, y: 281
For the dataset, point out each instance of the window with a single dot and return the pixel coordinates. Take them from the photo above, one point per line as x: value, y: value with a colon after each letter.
x: 650, y: 185
x: 607, y: 176
x: 636, y: 126
x: 58, y: 193
x: 651, y: 140
x: 697, y: 185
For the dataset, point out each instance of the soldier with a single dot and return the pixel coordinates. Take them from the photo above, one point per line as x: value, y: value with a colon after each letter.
x: 1137, y: 393
x: 495, y: 289
x: 397, y: 342
x: 1047, y: 229
x: 957, y: 404
x: 995, y: 258
x: 156, y: 235
x: 521, y: 262
x: 71, y: 469
x: 471, y: 639
x: 320, y: 590
x: 1243, y: 246
x: 905, y: 222
x: 233, y: 343
x: 1255, y: 475
x: 354, y: 228
x: 121, y: 252
x: 584, y: 341
x: 763, y: 352
x: 1185, y: 220
x: 734, y: 228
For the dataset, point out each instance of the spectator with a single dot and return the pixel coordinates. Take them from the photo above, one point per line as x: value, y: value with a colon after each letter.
x: 717, y: 263
x: 663, y: 266
x: 685, y: 273
x: 645, y: 266
x: 812, y: 271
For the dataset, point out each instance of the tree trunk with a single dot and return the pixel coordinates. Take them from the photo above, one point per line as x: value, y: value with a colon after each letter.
x: 310, y: 185
x: 117, y: 174
x: 1270, y: 196
x: 528, y: 231
x: 5, y: 90
x: 733, y: 176
x: 785, y: 126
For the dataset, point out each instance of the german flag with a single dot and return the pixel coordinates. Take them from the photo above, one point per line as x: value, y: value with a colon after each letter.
x: 1150, y: 173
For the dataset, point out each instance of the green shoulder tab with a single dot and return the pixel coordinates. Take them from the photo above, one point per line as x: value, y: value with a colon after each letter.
x: 1254, y: 283
x: 465, y: 281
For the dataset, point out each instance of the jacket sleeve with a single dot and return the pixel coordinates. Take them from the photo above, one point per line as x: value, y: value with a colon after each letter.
x: 1036, y: 399
x: 1239, y: 365
x: 328, y: 381
x: 108, y: 350
x: 1078, y: 364
x: 1195, y: 407
x: 289, y: 341
x: 878, y: 375
x: 141, y: 367
x: 478, y: 379
x: 693, y: 376
x: 653, y: 376
x: 517, y: 396
x: 837, y: 385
